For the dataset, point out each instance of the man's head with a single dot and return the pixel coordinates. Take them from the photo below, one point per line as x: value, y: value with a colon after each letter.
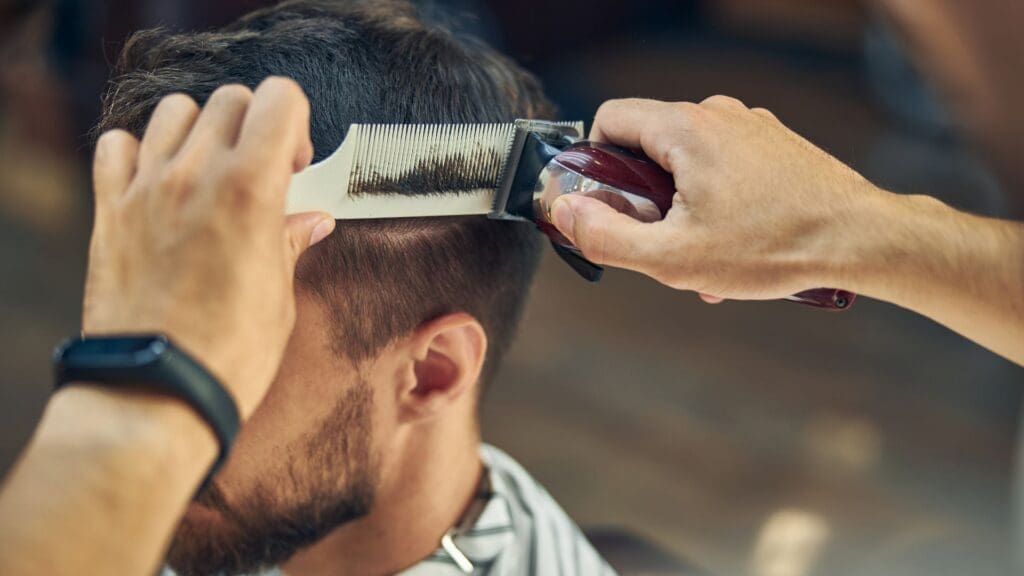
x: 399, y: 322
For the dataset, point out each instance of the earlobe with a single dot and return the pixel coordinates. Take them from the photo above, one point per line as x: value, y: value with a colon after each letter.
x: 447, y: 356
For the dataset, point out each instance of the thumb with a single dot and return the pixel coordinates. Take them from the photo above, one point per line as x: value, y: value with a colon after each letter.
x: 305, y: 229
x: 603, y: 234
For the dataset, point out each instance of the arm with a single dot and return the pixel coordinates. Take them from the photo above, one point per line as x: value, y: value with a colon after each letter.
x: 102, y: 483
x: 761, y: 213
x: 963, y: 271
x: 109, y: 471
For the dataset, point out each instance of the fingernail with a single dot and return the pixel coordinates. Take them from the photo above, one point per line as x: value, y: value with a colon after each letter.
x: 321, y: 231
x: 562, y: 216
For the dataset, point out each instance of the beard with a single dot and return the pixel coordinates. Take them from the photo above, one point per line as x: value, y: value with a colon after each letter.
x: 331, y: 477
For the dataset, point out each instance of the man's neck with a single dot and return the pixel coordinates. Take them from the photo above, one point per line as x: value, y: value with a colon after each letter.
x: 436, y: 481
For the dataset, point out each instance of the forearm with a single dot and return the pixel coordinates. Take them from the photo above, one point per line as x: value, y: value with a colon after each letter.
x: 963, y: 271
x: 102, y: 484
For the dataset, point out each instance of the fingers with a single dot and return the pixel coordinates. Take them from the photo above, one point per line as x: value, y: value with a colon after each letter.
x: 114, y: 164
x: 666, y: 131
x: 637, y: 122
x: 275, y: 131
x: 661, y: 129
x: 220, y: 120
x: 304, y: 230
x: 168, y: 128
x: 626, y: 121
x: 708, y: 298
x: 604, y: 235
x: 250, y: 141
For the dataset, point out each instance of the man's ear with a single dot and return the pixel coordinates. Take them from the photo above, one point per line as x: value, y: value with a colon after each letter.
x: 446, y: 357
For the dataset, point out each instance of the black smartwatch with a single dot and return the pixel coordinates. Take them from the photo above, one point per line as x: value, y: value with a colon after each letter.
x: 150, y: 362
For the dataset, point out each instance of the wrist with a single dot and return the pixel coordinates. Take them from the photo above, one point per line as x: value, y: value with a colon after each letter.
x: 881, y: 237
x: 147, y: 436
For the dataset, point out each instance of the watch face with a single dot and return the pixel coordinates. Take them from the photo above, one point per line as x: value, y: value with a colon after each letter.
x: 116, y: 350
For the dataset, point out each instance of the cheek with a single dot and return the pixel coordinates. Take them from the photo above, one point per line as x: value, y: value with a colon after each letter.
x: 387, y: 439
x: 290, y: 413
x: 310, y: 382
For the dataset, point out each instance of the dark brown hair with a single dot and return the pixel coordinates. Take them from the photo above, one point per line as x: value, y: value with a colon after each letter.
x: 365, y: 62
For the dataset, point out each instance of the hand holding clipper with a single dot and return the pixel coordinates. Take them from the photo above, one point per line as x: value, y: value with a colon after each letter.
x: 758, y: 213
x: 633, y: 185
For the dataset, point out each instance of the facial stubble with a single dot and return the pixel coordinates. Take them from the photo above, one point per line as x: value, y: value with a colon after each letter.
x: 328, y: 480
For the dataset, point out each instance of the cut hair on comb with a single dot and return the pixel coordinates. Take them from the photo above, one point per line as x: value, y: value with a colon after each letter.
x: 428, y: 159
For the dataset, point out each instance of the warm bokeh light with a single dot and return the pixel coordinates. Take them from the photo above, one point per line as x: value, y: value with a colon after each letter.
x: 789, y: 543
x: 758, y: 438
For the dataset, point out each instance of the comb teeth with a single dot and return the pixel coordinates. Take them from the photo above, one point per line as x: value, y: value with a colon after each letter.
x: 428, y: 159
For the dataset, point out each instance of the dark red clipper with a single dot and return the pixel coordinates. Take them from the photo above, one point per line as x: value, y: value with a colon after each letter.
x: 634, y: 185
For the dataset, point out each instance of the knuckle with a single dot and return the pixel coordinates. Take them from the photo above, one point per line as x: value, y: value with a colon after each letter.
x: 616, y: 106
x: 722, y: 100
x: 603, y: 111
x: 239, y: 171
x: 610, y: 106
x: 179, y: 179
x: 671, y: 143
x: 677, y: 157
x: 764, y: 112
x: 685, y: 114
x: 238, y: 182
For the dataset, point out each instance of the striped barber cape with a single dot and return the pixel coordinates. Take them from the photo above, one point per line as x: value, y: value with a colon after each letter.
x: 516, y: 529
x: 521, y: 531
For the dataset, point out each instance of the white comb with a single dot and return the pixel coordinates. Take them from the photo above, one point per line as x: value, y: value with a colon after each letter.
x: 413, y: 170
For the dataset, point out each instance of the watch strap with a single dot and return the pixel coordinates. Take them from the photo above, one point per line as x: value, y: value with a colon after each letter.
x: 172, y: 371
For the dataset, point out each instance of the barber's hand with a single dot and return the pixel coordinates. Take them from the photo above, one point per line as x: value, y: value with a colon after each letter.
x: 757, y: 207
x: 191, y: 238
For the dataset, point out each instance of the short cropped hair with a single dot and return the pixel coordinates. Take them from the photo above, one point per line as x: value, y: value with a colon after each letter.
x: 365, y: 62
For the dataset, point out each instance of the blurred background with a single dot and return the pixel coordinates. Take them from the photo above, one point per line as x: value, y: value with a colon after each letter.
x: 745, y: 438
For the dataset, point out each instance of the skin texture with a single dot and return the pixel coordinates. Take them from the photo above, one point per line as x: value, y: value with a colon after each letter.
x: 761, y: 213
x: 150, y: 224
x: 137, y: 458
x: 369, y: 462
x: 407, y: 425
